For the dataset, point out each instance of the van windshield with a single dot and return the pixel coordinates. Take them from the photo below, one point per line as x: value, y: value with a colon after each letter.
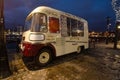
x: 36, y: 23
x: 39, y: 22
x: 27, y: 24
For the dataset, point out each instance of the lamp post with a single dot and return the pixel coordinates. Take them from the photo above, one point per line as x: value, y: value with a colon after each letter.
x: 116, y: 33
x: 108, y: 26
x: 4, y: 65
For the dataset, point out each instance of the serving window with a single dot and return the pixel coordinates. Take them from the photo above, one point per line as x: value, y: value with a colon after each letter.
x: 54, y: 25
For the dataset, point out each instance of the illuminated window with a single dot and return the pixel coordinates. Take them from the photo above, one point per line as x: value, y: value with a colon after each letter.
x: 53, y: 25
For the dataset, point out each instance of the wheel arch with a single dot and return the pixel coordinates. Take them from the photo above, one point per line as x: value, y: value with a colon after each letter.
x: 50, y: 47
x: 82, y: 47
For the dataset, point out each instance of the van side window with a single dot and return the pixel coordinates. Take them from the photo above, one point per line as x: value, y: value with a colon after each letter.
x: 69, y: 26
x: 74, y: 27
x: 80, y: 28
x: 54, y: 25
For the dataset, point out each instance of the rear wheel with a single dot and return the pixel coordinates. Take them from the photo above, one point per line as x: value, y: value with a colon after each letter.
x: 44, y: 57
x: 80, y: 49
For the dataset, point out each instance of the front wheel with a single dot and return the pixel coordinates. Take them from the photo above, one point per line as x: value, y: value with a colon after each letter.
x: 44, y: 57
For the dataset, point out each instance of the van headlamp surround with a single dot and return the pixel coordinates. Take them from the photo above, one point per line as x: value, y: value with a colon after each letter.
x: 37, y: 37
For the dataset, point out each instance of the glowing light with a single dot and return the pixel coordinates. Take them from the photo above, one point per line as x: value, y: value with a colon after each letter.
x: 119, y: 27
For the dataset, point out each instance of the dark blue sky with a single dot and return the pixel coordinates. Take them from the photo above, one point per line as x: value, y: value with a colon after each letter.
x: 94, y: 11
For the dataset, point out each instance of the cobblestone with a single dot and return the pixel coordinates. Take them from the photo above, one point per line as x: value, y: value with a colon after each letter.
x: 99, y: 63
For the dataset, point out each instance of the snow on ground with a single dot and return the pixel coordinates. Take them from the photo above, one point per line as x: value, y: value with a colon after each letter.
x: 99, y: 63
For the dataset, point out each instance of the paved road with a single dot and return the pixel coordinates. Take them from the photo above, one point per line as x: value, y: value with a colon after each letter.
x: 99, y: 63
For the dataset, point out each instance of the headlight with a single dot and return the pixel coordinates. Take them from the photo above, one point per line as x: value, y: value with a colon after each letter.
x: 37, y: 37
x: 22, y: 47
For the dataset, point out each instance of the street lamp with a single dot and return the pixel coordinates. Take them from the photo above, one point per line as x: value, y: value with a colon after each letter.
x: 117, y: 34
x: 118, y: 27
x: 108, y: 26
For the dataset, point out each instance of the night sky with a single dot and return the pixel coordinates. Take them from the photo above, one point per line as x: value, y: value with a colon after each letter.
x: 94, y: 11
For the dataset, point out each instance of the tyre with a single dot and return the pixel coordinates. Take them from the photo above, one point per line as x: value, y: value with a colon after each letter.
x: 80, y: 49
x: 44, y: 57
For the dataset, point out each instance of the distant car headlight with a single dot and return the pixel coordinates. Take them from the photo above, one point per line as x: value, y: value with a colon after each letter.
x: 37, y: 37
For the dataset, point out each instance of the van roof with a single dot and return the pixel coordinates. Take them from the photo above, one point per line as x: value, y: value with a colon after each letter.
x: 49, y: 9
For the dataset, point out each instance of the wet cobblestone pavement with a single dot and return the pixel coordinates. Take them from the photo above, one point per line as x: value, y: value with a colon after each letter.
x: 99, y: 63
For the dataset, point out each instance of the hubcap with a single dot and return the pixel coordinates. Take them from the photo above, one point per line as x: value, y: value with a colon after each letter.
x: 44, y: 57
